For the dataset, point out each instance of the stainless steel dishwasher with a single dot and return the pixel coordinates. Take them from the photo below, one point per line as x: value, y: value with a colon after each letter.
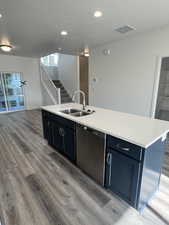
x: 91, y: 152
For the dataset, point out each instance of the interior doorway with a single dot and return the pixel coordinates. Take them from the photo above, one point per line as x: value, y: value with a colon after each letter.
x: 11, y: 92
x: 162, y: 105
x: 84, y: 76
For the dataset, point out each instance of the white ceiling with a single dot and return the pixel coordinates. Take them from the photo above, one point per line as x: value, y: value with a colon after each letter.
x: 33, y: 26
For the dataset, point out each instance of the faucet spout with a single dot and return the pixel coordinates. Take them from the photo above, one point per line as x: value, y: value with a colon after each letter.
x: 84, y: 97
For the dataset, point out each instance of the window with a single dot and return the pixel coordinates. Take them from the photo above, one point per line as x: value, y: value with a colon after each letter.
x: 3, y: 105
x: 11, y: 92
x: 50, y: 60
x: 13, y: 103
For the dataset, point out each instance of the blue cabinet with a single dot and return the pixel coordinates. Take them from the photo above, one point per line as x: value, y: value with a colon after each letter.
x: 122, y: 176
x: 60, y: 134
x: 132, y: 172
x: 45, y: 123
x: 56, y: 136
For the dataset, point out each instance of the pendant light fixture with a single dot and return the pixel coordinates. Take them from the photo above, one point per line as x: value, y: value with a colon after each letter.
x: 86, y: 52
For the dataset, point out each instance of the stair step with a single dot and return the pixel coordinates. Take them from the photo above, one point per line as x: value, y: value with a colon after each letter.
x: 58, y: 81
x: 64, y: 92
x: 58, y: 86
x: 65, y: 98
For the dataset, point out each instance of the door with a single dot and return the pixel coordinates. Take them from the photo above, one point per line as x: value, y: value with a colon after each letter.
x: 3, y: 103
x: 11, y: 92
x: 122, y: 176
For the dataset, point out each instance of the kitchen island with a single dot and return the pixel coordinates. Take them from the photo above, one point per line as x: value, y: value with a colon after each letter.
x: 133, y: 152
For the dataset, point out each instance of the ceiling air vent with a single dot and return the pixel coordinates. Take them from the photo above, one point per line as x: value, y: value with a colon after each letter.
x: 124, y: 29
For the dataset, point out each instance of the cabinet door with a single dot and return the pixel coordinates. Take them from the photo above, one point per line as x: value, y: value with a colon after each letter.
x: 122, y: 176
x: 57, y: 136
x: 69, y: 144
x: 63, y: 140
x: 45, y: 125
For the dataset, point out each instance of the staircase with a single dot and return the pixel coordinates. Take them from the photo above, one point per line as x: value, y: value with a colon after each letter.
x: 65, y: 98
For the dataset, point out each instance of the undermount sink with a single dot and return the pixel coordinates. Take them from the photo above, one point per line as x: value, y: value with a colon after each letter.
x: 81, y: 113
x: 70, y: 111
x: 76, y: 112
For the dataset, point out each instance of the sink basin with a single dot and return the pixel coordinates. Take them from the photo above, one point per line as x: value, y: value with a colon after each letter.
x: 70, y: 111
x: 76, y: 112
x: 81, y: 113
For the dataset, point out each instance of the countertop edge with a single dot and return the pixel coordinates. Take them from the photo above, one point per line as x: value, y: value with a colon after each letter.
x: 104, y: 131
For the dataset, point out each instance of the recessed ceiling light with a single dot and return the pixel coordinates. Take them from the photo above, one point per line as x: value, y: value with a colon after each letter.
x: 64, y: 32
x: 6, y: 48
x: 98, y: 14
x: 1, y: 16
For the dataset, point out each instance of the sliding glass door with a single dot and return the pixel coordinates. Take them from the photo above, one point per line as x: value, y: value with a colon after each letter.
x: 3, y: 104
x: 11, y: 92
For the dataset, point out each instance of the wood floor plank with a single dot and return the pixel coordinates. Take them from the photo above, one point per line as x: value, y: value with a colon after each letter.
x: 23, y: 145
x: 45, y: 199
x: 99, y: 196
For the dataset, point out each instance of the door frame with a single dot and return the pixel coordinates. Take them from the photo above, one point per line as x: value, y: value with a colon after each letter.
x: 156, y: 83
x: 24, y: 92
x: 82, y: 75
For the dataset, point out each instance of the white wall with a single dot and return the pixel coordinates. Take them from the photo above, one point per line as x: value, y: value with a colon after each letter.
x: 68, y: 72
x: 46, y: 99
x: 52, y: 72
x: 126, y: 77
x: 29, y: 67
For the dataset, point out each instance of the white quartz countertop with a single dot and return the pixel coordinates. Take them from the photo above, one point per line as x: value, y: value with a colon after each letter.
x: 142, y: 131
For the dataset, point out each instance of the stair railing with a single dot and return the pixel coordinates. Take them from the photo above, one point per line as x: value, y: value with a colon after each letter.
x: 52, y: 90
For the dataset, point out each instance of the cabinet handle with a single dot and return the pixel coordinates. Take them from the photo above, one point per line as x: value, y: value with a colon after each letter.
x: 126, y: 149
x: 108, y: 158
x: 62, y: 132
x: 123, y: 148
x: 109, y: 162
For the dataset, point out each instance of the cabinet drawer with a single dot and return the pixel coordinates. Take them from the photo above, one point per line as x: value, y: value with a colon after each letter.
x: 129, y: 149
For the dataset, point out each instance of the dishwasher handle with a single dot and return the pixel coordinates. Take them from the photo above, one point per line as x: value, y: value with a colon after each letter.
x: 94, y: 132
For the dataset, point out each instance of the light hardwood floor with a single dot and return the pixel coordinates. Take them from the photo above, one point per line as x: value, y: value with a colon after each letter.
x: 39, y: 187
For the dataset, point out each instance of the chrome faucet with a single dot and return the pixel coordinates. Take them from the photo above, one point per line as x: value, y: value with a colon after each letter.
x: 83, y: 94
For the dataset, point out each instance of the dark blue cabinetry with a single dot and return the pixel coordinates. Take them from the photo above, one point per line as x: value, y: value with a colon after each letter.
x: 122, y: 176
x: 60, y: 134
x: 132, y: 172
